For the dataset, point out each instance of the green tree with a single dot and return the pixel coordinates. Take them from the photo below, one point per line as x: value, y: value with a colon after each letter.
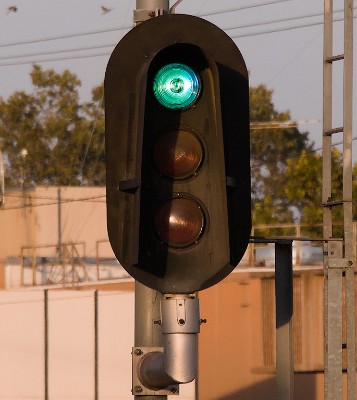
x: 64, y: 142
x: 63, y: 139
x: 270, y: 151
x: 304, y: 187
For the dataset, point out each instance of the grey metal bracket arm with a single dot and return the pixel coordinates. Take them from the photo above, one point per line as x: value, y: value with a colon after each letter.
x: 159, y: 370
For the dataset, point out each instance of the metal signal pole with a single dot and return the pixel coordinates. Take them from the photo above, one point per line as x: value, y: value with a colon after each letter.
x: 146, y: 9
x: 339, y: 271
x: 147, y: 301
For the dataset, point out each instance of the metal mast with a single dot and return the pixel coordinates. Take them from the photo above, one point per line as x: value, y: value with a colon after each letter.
x: 338, y: 252
x: 147, y: 301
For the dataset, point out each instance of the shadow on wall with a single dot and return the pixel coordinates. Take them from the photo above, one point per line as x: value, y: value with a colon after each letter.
x: 304, y: 388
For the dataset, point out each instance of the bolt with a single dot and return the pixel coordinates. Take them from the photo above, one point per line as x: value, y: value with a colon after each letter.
x: 138, y: 352
x: 181, y: 321
x: 174, y: 390
x: 350, y: 263
x: 138, y: 389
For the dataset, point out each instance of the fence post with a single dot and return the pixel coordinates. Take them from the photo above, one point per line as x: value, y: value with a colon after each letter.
x: 284, y: 319
x: 45, y: 303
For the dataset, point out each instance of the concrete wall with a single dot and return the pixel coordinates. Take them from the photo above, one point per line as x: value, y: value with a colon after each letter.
x: 31, y: 219
x: 237, y: 345
x: 71, y: 345
x: 17, y: 225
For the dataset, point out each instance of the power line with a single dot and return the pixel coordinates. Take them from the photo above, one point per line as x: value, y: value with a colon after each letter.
x: 227, y: 10
x: 333, y: 144
x: 278, y: 20
x: 123, y: 28
x: 115, y: 29
x: 58, y: 51
x: 67, y: 36
x: 72, y: 35
x: 10, y: 64
x: 69, y: 57
x: 88, y: 199
x: 100, y: 196
x: 35, y: 54
x: 284, y: 29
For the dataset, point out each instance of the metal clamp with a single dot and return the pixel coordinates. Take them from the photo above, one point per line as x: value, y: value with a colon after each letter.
x: 138, y: 387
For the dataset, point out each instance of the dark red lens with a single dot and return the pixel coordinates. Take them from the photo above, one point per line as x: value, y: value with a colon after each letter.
x: 178, y: 154
x: 179, y: 222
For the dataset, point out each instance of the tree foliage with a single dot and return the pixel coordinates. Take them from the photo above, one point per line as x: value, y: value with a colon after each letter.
x: 304, y: 188
x: 271, y: 149
x: 49, y: 137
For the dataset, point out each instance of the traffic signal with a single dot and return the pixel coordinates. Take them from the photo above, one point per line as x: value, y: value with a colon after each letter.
x: 177, y: 148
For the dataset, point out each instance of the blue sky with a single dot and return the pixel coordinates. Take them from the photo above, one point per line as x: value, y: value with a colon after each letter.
x: 282, y: 49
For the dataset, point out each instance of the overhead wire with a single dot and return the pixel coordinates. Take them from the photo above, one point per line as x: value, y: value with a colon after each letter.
x: 107, y: 53
x: 80, y: 230
x: 127, y: 27
x: 296, y: 56
x: 90, y: 139
x: 240, y: 8
x: 35, y: 54
x: 55, y: 202
x: 11, y: 64
x: 20, y: 196
x: 66, y: 36
x: 45, y: 53
x: 288, y: 28
x: 278, y: 20
x: 50, y: 52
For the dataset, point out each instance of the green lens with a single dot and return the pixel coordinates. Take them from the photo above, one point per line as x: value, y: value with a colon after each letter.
x: 176, y: 86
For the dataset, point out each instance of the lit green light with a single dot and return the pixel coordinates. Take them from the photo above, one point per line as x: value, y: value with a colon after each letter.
x: 176, y: 86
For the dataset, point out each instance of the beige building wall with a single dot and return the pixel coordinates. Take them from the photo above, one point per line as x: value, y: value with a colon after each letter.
x: 237, y: 345
x: 17, y: 225
x: 31, y: 219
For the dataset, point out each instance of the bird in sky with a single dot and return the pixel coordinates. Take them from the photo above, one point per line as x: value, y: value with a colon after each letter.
x: 106, y: 10
x: 12, y: 9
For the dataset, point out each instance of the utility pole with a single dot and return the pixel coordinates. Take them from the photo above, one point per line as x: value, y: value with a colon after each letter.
x: 147, y: 301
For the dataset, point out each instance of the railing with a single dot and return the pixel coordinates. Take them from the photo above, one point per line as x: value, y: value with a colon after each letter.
x: 307, y: 248
x: 63, y: 265
x: 70, y: 266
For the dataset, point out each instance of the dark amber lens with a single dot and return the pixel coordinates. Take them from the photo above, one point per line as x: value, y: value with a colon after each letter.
x: 178, y: 154
x: 179, y: 222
